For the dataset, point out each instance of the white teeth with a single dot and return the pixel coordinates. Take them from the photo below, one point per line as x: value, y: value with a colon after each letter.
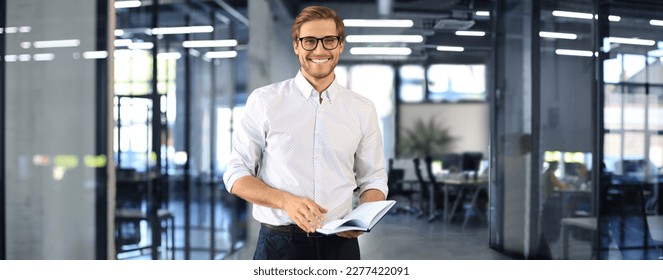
x: 319, y: 60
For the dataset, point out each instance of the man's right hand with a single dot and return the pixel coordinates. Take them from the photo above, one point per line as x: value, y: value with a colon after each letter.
x: 307, y: 214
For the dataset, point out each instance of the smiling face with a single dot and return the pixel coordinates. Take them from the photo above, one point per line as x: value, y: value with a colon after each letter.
x: 318, y: 64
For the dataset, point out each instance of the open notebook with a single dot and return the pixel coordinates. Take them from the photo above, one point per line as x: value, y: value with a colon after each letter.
x: 362, y: 218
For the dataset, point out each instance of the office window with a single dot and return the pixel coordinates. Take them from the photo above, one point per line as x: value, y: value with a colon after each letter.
x: 412, y: 89
x: 656, y: 151
x: 453, y: 83
x: 375, y: 82
x: 132, y: 113
x: 633, y: 110
x: 133, y: 133
x: 133, y: 72
x: 341, y: 73
x: 227, y: 122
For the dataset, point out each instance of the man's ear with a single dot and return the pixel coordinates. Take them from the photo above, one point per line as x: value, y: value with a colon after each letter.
x: 294, y: 47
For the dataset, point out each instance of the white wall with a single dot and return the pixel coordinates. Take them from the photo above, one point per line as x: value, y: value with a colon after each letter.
x: 271, y: 56
x: 466, y: 121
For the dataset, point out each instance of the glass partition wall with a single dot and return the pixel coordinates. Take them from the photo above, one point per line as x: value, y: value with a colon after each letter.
x: 577, y: 116
x: 175, y: 79
x: 55, y: 92
x: 632, y: 86
x: 566, y: 104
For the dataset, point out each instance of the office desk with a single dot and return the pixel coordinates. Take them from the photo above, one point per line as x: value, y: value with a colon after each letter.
x: 588, y: 223
x: 570, y: 196
x: 462, y: 185
x: 654, y: 222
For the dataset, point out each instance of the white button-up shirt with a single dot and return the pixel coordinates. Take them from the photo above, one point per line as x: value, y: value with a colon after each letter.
x: 322, y: 151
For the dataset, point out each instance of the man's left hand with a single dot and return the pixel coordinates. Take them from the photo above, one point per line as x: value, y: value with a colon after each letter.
x: 369, y: 195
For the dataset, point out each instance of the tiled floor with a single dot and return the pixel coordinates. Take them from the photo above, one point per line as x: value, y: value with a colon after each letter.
x: 403, y: 236
x: 397, y: 236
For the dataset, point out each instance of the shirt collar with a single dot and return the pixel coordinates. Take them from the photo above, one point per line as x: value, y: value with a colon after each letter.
x: 306, y: 89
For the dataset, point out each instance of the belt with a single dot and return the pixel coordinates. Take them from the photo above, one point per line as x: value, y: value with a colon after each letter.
x: 292, y: 229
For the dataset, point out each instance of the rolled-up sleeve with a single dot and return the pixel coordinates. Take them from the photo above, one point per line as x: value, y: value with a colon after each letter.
x: 370, y: 165
x: 248, y: 144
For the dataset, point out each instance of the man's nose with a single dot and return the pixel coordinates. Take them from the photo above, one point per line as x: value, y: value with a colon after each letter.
x: 319, y: 47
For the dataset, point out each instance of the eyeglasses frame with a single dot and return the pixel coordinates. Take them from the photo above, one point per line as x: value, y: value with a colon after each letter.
x: 318, y: 40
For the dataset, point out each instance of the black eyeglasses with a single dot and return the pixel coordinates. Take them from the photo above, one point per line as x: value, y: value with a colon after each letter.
x: 309, y: 43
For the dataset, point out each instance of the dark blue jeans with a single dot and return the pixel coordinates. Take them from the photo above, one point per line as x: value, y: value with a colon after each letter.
x: 294, y: 244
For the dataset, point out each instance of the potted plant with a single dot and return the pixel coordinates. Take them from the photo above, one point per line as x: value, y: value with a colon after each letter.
x: 425, y: 138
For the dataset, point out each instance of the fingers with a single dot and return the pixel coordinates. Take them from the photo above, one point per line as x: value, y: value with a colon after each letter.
x: 314, y: 213
x: 307, y: 220
x: 304, y: 225
x: 306, y: 214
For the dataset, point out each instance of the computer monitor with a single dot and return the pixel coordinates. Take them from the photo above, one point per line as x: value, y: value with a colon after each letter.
x: 471, y: 162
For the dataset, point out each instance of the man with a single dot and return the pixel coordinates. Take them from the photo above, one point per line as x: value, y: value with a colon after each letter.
x: 304, y: 146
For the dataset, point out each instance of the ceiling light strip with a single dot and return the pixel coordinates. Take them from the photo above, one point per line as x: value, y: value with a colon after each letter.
x: 568, y: 14
x: 209, y: 43
x: 557, y: 35
x: 656, y: 22
x: 631, y: 41
x: 141, y: 46
x: 380, y: 51
x: 95, y: 54
x: 574, y: 52
x: 470, y: 33
x: 378, y: 23
x: 57, y: 44
x: 614, y: 18
x: 450, y: 49
x: 43, y: 56
x: 384, y: 39
x: 578, y: 15
x: 127, y: 4
x: 182, y: 30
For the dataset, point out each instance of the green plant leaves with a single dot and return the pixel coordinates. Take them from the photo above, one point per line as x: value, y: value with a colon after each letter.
x: 425, y: 138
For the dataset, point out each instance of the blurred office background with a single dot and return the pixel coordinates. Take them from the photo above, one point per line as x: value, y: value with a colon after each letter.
x: 514, y: 128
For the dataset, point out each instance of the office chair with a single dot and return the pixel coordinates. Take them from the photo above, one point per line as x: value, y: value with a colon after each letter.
x: 396, y: 188
x: 423, y: 186
x: 438, y: 191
